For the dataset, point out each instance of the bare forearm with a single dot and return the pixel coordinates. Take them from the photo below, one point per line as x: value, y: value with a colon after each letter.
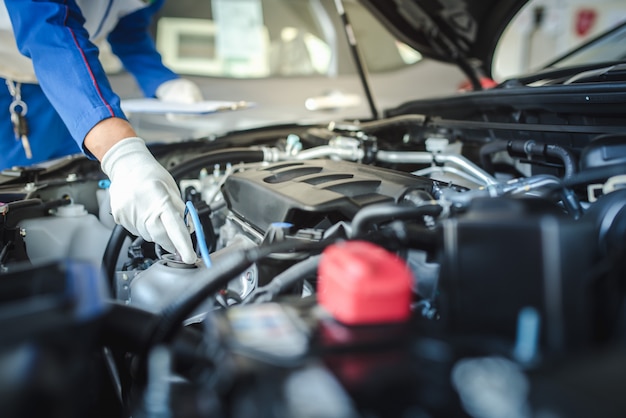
x: 107, y: 133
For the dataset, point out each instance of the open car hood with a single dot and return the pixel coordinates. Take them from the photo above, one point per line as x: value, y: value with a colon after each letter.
x: 461, y: 31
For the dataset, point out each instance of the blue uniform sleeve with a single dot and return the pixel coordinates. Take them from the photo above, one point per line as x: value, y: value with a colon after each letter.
x: 51, y: 34
x: 132, y: 43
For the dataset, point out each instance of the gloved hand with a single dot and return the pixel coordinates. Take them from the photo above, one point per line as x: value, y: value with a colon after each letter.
x: 179, y: 90
x: 145, y: 198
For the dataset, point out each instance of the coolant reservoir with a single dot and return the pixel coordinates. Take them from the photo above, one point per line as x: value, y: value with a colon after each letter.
x: 70, y: 232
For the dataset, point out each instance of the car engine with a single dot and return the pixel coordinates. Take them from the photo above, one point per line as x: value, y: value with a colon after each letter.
x: 408, y: 266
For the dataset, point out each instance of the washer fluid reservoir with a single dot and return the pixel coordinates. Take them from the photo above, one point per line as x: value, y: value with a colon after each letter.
x: 70, y: 232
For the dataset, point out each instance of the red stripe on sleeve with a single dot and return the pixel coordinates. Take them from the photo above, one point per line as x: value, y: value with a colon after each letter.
x: 82, y: 54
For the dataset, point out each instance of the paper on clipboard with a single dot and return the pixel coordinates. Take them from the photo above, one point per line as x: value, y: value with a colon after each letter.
x: 205, y: 107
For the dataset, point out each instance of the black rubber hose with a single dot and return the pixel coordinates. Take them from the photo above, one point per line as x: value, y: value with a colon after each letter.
x: 213, y: 279
x: 112, y: 254
x: 129, y: 330
x: 571, y: 203
x: 532, y: 148
x: 299, y: 271
x: 594, y: 175
x: 414, y: 236
x: 567, y: 157
x: 231, y: 155
x: 397, y: 121
x: 388, y: 212
x: 487, y: 150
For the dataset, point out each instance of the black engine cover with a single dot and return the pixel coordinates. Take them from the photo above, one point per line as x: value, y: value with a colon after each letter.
x: 316, y: 193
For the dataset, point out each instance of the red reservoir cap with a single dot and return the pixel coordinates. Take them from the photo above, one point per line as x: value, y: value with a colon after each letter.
x: 362, y: 283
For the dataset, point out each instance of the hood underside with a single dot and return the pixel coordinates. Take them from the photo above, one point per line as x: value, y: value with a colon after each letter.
x: 448, y: 30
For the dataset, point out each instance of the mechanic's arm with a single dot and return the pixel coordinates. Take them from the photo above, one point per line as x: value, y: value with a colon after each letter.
x: 144, y: 197
x: 132, y: 42
x: 52, y: 35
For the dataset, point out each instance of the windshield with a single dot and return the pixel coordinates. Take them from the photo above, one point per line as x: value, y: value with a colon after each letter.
x: 610, y: 47
x: 546, y: 29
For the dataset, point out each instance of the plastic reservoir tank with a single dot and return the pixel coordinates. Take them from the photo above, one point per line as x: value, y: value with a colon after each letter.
x: 70, y: 232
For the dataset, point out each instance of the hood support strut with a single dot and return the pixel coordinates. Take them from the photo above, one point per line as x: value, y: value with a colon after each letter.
x: 358, y: 59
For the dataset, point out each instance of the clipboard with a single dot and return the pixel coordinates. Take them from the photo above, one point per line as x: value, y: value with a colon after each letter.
x: 206, y: 107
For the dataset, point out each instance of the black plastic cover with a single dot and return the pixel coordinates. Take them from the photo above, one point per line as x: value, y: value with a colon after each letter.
x: 604, y: 150
x: 507, y: 254
x: 312, y: 194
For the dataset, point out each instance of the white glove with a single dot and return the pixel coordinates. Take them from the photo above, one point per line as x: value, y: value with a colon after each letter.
x: 179, y: 90
x: 145, y: 199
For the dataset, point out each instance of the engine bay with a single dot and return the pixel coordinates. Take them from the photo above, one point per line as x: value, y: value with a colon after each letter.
x: 513, y: 244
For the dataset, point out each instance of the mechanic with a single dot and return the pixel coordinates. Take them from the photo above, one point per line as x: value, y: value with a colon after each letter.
x: 70, y: 107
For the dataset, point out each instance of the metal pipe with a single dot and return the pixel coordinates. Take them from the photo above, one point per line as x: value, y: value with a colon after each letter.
x: 324, y: 151
x: 464, y: 164
x: 416, y: 157
x: 329, y: 151
x: 408, y: 157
